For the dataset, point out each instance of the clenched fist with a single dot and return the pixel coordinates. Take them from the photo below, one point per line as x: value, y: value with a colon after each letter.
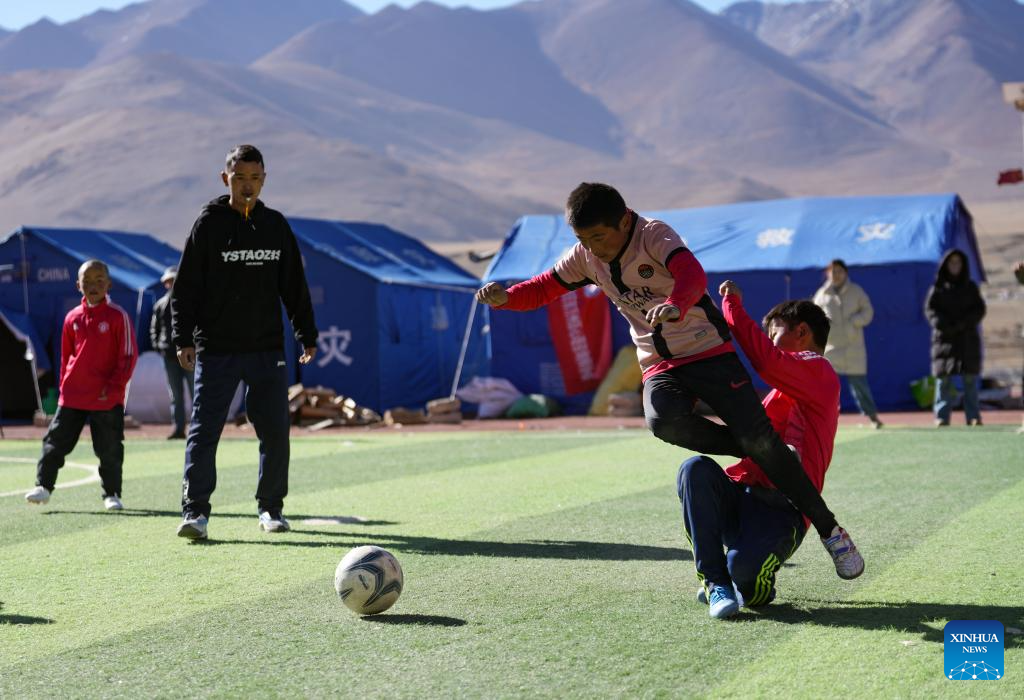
x: 492, y: 294
x: 729, y: 287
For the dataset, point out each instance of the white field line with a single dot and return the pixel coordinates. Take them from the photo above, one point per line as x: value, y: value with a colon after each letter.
x: 93, y: 478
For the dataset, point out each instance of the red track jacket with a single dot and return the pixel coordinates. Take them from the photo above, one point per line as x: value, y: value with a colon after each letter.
x: 98, y: 355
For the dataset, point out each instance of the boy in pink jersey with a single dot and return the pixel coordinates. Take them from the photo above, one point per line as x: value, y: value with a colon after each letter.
x: 740, y: 528
x: 98, y: 355
x: 683, y: 345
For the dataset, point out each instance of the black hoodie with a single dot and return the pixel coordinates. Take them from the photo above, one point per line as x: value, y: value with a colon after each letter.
x: 232, y: 278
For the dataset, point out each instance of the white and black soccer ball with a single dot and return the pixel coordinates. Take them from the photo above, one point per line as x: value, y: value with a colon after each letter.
x: 369, y: 580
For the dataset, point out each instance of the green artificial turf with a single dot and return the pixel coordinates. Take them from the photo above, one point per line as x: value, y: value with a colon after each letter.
x: 537, y: 564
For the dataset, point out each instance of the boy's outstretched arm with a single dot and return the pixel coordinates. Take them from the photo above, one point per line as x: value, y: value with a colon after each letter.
x: 534, y: 293
x: 782, y: 370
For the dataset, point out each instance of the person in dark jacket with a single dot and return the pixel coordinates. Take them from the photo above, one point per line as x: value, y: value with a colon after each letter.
x: 954, y: 308
x: 160, y: 339
x: 240, y: 262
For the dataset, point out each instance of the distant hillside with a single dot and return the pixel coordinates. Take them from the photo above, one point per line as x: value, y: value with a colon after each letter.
x: 933, y: 67
x: 450, y: 123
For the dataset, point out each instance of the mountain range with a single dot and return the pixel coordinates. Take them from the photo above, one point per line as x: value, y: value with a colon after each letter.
x: 450, y: 123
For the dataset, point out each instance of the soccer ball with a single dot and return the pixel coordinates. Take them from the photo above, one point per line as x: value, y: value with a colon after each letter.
x: 369, y: 580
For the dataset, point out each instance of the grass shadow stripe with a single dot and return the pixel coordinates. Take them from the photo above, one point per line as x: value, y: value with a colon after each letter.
x: 535, y: 549
x: 409, y: 619
x: 24, y: 620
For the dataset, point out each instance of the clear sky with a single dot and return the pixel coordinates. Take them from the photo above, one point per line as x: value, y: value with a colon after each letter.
x: 15, y: 14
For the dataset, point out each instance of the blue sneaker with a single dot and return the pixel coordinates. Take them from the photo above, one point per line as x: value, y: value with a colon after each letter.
x: 723, y: 602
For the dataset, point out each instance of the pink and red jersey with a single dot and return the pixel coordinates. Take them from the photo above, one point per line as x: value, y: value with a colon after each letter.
x: 653, y: 267
x: 98, y: 355
x: 803, y: 406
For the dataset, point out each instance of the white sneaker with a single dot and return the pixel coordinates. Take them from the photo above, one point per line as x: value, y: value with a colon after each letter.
x: 113, y: 503
x: 273, y: 521
x: 193, y: 528
x: 848, y: 561
x: 38, y: 496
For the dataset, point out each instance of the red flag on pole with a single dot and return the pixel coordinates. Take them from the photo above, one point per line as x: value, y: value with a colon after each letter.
x: 1011, y: 177
x: 581, y: 329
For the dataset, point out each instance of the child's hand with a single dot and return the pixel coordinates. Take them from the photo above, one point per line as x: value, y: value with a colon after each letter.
x: 492, y: 294
x: 662, y: 313
x: 729, y: 287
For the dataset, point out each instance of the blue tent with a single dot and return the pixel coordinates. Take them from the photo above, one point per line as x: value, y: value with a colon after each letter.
x: 39, y: 268
x: 391, y: 313
x: 774, y: 250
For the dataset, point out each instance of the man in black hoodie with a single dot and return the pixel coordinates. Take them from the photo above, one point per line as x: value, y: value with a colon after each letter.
x: 240, y: 262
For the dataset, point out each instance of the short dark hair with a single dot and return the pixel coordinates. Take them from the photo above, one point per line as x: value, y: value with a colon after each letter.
x: 93, y: 263
x: 840, y: 263
x: 796, y: 311
x: 244, y: 153
x: 593, y: 204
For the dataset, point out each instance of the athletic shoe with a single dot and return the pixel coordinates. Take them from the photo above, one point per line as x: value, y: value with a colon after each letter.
x: 113, y: 503
x: 940, y: 423
x: 849, y: 563
x: 177, y: 435
x: 723, y: 602
x: 876, y: 424
x: 273, y: 521
x: 193, y: 527
x: 38, y: 496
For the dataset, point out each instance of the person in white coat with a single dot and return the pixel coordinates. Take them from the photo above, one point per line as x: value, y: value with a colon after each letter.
x: 849, y: 310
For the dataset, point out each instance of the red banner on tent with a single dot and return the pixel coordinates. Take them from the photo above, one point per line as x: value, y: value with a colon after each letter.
x: 581, y: 329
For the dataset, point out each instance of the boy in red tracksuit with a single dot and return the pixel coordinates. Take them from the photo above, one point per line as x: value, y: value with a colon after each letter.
x: 740, y: 527
x: 98, y: 355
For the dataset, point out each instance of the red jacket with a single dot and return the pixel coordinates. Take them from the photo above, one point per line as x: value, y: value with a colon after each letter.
x: 97, y: 356
x: 803, y: 406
